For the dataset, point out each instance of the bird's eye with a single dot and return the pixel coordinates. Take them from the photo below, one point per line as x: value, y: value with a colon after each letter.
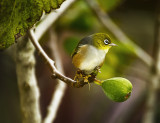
x: 106, y: 42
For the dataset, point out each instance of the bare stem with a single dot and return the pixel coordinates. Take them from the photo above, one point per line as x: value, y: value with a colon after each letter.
x: 119, y: 34
x: 40, y: 30
x: 50, y: 62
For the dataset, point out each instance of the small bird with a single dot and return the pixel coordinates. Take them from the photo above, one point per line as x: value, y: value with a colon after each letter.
x: 89, y: 55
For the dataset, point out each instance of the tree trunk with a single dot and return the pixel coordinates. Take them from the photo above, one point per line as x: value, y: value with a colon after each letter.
x: 29, y: 92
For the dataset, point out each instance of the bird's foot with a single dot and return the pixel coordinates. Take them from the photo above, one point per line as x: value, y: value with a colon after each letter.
x: 81, y: 76
x: 86, y: 78
x: 77, y: 76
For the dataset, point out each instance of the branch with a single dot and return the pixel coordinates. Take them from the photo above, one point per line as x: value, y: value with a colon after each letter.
x: 119, y: 34
x: 60, y: 88
x: 51, y: 18
x: 40, y: 30
x: 28, y: 89
x: 153, y: 86
x: 50, y: 62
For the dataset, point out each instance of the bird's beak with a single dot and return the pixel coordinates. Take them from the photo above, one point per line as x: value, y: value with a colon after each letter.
x: 112, y: 44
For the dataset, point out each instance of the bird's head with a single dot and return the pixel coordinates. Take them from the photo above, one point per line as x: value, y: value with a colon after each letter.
x: 102, y: 41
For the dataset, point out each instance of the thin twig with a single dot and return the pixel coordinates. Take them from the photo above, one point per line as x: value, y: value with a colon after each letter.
x: 41, y: 29
x: 60, y: 87
x: 119, y: 34
x: 50, y: 62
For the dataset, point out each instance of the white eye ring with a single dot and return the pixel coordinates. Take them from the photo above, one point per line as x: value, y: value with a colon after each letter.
x: 106, y: 42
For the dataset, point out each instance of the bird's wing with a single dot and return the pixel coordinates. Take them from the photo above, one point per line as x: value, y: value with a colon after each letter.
x: 83, y: 42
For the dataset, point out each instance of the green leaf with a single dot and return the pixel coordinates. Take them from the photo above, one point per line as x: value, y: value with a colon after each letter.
x: 17, y: 16
x: 117, y: 89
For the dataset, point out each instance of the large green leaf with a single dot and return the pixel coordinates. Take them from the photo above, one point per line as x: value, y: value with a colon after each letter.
x: 17, y: 16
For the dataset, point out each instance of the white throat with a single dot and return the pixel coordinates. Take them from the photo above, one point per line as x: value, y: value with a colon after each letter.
x: 92, y: 58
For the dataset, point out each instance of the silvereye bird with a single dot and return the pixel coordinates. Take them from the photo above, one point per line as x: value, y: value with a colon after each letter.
x: 90, y: 54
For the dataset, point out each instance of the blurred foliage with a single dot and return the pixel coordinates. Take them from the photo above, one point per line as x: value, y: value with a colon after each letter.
x: 69, y: 44
x: 109, y: 5
x: 83, y: 22
x: 78, y: 18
